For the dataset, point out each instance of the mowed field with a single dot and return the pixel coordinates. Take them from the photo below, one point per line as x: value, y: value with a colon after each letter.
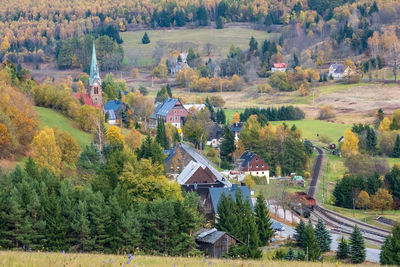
x: 51, y: 118
x: 222, y: 39
x: 33, y: 259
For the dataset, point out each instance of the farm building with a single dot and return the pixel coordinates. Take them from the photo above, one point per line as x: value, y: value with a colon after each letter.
x: 171, y: 111
x: 215, y: 243
x: 114, y: 108
x: 236, y: 128
x: 336, y: 71
x: 279, y: 67
x: 251, y: 163
x: 214, y: 133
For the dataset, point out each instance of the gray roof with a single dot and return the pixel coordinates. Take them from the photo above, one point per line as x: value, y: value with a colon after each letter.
x: 210, y: 236
x: 202, y: 160
x: 188, y: 171
x: 164, y: 108
x: 246, y: 157
x: 338, y: 68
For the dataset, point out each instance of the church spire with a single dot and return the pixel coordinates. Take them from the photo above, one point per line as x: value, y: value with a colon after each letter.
x: 94, y: 68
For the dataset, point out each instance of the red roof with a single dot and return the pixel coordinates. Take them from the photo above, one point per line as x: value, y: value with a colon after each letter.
x: 280, y: 65
x: 86, y: 100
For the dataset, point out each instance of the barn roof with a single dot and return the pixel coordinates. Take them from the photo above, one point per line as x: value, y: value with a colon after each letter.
x: 211, y: 236
x: 164, y: 108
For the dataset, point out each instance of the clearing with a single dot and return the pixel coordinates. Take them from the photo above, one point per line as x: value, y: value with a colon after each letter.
x: 139, y: 54
x: 51, y: 118
x: 13, y: 258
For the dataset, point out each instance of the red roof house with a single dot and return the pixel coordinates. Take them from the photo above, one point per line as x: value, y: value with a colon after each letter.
x: 279, y: 67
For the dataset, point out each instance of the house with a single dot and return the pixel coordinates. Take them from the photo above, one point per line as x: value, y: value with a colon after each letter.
x: 171, y: 110
x: 236, y: 128
x: 216, y: 193
x: 215, y: 243
x: 114, y: 108
x: 177, y: 66
x: 214, y: 133
x: 279, y: 67
x: 181, y: 156
x: 198, y: 178
x: 251, y: 163
x: 336, y: 71
x: 93, y: 96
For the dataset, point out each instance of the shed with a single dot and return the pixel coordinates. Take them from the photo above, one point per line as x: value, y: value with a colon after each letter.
x: 215, y: 243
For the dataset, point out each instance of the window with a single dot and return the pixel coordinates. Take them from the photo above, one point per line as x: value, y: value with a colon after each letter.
x: 256, y: 166
x: 256, y: 159
x: 256, y: 172
x: 175, y: 111
x: 262, y: 165
x: 250, y: 166
x: 262, y: 173
x: 96, y: 90
x: 176, y: 118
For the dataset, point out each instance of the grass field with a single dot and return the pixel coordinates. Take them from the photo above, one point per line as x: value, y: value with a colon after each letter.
x: 222, y: 39
x: 13, y: 259
x: 310, y: 128
x: 51, y: 118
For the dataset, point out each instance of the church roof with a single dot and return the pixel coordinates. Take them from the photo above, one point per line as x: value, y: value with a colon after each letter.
x: 94, y: 68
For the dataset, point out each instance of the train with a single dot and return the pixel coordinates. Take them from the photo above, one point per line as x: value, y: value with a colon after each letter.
x: 303, y: 204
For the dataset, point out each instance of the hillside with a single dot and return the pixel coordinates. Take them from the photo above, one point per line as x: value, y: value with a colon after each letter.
x: 51, y: 118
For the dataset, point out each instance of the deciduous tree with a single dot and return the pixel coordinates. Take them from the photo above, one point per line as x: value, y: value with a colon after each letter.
x: 45, y: 150
x: 382, y: 200
x: 349, y: 145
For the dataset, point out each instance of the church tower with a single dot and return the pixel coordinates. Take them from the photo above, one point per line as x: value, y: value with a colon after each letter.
x: 95, y: 90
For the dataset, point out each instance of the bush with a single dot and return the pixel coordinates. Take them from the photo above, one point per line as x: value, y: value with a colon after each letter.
x: 279, y: 80
x: 326, y: 113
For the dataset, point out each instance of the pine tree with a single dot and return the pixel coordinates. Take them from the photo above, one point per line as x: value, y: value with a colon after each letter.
x: 131, y: 229
x: 371, y: 140
x: 227, y: 145
x: 220, y: 22
x: 210, y: 108
x: 299, y: 234
x: 169, y: 90
x: 263, y: 221
x: 396, y: 148
x: 220, y: 117
x: 343, y: 249
x: 161, y: 137
x: 290, y: 256
x: 357, y: 246
x: 226, y: 214
x: 323, y: 236
x: 249, y: 229
x: 145, y: 39
x: 311, y: 243
x: 253, y: 44
x: 390, y: 250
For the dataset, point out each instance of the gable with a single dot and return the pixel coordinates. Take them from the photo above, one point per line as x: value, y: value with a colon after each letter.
x: 202, y: 176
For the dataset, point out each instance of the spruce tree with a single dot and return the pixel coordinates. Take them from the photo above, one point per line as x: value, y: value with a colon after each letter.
x: 357, y: 246
x: 323, y: 236
x: 263, y: 221
x: 145, y: 38
x: 371, y: 140
x: 220, y: 22
x: 396, y: 148
x: 390, y: 250
x: 253, y: 44
x: 250, y: 230
x: 290, y: 256
x: 311, y: 245
x: 210, y: 108
x: 169, y: 90
x: 299, y: 234
x: 161, y: 136
x: 343, y: 249
x: 226, y: 215
x: 228, y: 144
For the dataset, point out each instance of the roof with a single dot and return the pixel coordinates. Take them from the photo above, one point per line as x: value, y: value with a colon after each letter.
x: 94, y: 68
x: 196, y: 106
x: 237, y: 127
x: 113, y: 104
x: 189, y: 170
x: 280, y: 65
x: 213, y: 235
x: 338, y: 68
x: 164, y: 108
x: 199, y: 159
x: 214, y: 131
x: 216, y: 193
x: 111, y: 114
x: 246, y: 157
x: 86, y: 99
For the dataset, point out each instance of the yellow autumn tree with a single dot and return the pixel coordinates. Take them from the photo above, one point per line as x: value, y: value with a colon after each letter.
x: 5, y: 141
x: 349, y: 145
x: 69, y: 148
x: 363, y: 200
x: 382, y: 200
x: 45, y: 151
x: 384, y: 126
x: 135, y: 73
x: 5, y: 44
x: 134, y: 139
x: 114, y: 136
x: 236, y: 118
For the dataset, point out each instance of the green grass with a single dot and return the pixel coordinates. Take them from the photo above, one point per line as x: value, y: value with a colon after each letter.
x: 51, y: 118
x: 229, y: 113
x: 310, y: 128
x: 222, y: 39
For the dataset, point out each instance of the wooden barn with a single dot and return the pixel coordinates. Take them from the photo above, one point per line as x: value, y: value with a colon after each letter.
x: 215, y: 243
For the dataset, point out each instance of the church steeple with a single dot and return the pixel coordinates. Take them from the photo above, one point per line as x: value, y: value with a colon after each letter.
x: 94, y: 68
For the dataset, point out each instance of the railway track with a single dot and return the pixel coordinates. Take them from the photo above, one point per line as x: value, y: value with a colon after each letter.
x: 338, y: 222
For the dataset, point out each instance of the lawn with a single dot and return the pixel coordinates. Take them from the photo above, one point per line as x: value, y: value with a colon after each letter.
x: 310, y: 128
x: 222, y: 39
x: 33, y: 259
x: 51, y: 118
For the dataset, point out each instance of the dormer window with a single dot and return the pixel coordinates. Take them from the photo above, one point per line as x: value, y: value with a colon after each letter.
x: 256, y: 159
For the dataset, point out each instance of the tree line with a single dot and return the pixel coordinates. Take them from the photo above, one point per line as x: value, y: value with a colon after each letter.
x: 264, y: 115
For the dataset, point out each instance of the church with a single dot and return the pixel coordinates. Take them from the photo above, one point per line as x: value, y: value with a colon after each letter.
x: 93, y: 96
